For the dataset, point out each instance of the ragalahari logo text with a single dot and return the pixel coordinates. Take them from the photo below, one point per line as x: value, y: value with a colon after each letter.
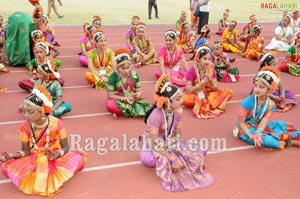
x: 279, y: 5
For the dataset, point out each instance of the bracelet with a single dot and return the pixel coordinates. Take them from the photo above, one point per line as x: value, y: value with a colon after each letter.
x: 22, y: 153
x: 174, y: 160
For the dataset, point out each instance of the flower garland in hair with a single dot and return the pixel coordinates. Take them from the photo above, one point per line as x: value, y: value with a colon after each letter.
x: 44, y: 95
x: 43, y: 45
x: 272, y: 72
x: 140, y: 24
x: 160, y: 87
x: 35, y: 33
x: 96, y: 18
x: 56, y: 74
x: 121, y: 52
x: 98, y: 34
x: 201, y: 49
x: 171, y: 33
x: 135, y: 19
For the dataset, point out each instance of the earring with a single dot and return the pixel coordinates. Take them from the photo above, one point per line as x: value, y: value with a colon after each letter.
x: 169, y: 109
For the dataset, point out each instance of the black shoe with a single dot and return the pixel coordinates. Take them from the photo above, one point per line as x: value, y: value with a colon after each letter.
x: 157, y: 17
x: 61, y: 16
x: 149, y: 18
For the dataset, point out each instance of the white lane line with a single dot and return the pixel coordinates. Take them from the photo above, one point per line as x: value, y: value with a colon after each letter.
x: 97, y: 114
x: 126, y: 164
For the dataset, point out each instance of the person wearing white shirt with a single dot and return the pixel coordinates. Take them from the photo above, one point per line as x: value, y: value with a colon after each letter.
x: 204, y: 8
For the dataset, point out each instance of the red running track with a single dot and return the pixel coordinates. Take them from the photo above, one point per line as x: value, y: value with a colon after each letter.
x: 241, y: 172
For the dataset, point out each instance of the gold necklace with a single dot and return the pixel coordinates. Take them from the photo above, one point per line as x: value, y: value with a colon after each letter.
x: 39, y: 126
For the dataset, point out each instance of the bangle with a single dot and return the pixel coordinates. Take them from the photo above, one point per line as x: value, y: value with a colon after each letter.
x: 174, y: 160
x: 259, y: 130
x: 61, y: 152
x: 22, y: 153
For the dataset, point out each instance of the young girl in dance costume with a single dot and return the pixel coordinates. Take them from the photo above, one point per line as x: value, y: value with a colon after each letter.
x: 45, y: 161
x: 178, y: 167
x: 254, y: 125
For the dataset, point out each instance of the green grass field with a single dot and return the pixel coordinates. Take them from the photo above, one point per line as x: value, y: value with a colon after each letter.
x: 120, y: 11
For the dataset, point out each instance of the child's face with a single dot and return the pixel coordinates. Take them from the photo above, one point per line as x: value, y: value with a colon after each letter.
x: 217, y: 50
x: 205, y: 61
x: 124, y: 69
x: 170, y: 42
x: 253, y: 22
x: 186, y: 28
x: 285, y: 21
x: 102, y: 42
x: 133, y: 25
x: 39, y: 53
x: 140, y: 32
x: 97, y: 24
x: 225, y: 16
x: 253, y: 33
x: 296, y: 15
x: 260, y: 89
x: 38, y: 37
x: 41, y: 75
x: 31, y: 114
x: 177, y: 101
x: 230, y: 28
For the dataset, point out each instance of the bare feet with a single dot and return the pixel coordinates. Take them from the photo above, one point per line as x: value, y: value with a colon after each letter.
x: 3, y: 69
x: 115, y: 116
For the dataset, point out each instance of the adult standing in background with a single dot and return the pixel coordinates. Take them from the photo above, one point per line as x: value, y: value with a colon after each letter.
x: 51, y: 4
x: 60, y: 2
x: 204, y: 8
x: 152, y: 3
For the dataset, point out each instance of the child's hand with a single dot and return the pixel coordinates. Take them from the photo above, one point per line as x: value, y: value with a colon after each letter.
x: 6, y: 156
x: 137, y: 95
x: 50, y: 154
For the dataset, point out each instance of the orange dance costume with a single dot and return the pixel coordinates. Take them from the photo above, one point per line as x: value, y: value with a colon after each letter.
x: 254, y: 44
x: 207, y: 101
x: 100, y: 61
x: 36, y: 173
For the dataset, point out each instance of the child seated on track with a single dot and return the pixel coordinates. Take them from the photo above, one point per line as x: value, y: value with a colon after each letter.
x: 124, y: 89
x: 223, y: 23
x: 144, y: 51
x: 254, y: 126
x: 178, y: 167
x: 283, y: 38
x: 221, y: 63
x: 41, y: 52
x: 45, y: 161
